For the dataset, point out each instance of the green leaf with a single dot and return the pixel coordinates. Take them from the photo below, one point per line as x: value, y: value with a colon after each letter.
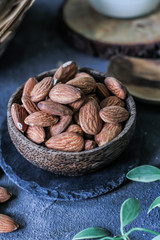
x: 155, y: 204
x: 145, y: 173
x: 156, y: 238
x: 129, y: 211
x: 91, y: 233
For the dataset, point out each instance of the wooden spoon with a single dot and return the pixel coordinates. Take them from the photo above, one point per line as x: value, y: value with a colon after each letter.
x: 140, y: 76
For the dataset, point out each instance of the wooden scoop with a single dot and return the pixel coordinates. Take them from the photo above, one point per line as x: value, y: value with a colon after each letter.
x: 140, y: 76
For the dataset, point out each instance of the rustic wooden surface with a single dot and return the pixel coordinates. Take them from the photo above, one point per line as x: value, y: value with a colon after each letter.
x: 91, y: 32
x: 140, y: 76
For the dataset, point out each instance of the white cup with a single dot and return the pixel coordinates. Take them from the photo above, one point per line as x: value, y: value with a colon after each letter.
x: 124, y: 8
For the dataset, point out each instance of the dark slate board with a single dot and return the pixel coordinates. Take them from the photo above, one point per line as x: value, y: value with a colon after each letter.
x: 54, y: 187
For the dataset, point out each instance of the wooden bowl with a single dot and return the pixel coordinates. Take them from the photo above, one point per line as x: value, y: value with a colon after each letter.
x: 71, y: 163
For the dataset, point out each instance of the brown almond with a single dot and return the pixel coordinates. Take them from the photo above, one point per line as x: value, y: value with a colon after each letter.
x: 7, y: 224
x: 75, y: 128
x: 75, y: 106
x: 90, y: 121
x: 108, y: 132
x: 67, y: 141
x: 54, y: 108
x: 89, y: 144
x: 64, y: 94
x: 112, y: 101
x: 86, y: 84
x: 36, y: 134
x: 61, y: 125
x: 92, y: 96
x: 82, y: 74
x: 115, y: 87
x: 65, y: 72
x: 5, y: 195
x: 41, y: 89
x: 28, y: 87
x: 30, y: 106
x: 114, y: 114
x: 18, y: 115
x: 102, y: 91
x: 41, y: 119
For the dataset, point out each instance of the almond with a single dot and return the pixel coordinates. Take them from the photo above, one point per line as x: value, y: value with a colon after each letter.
x: 65, y: 72
x: 54, y: 108
x: 61, y: 125
x: 7, y: 224
x: 115, y: 87
x: 83, y: 74
x: 92, y: 96
x: 67, y: 141
x: 89, y: 144
x: 108, y: 132
x: 75, y: 106
x: 41, y: 119
x: 5, y: 195
x: 102, y: 91
x: 30, y: 106
x: 18, y: 115
x: 86, y: 84
x: 90, y: 121
x: 75, y: 128
x: 41, y: 89
x: 64, y: 94
x: 114, y: 114
x: 36, y: 134
x: 28, y: 87
x: 112, y: 101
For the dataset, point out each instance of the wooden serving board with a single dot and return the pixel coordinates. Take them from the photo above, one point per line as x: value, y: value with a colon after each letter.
x: 93, y: 33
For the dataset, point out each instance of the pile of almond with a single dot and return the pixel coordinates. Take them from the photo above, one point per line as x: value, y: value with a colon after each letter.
x: 71, y: 111
x: 7, y: 224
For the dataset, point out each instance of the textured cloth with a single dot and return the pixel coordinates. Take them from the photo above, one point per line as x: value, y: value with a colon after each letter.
x: 36, y: 48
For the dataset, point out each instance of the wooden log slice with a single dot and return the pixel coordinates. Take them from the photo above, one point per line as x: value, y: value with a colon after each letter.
x: 86, y: 30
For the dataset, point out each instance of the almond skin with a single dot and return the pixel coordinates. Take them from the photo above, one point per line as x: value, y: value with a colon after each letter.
x: 64, y: 94
x: 41, y: 89
x: 67, y: 141
x: 28, y: 87
x: 112, y: 101
x: 86, y: 84
x: 36, y: 134
x: 61, y: 125
x: 108, y: 132
x: 114, y: 114
x: 102, y: 91
x: 18, y: 115
x: 75, y: 128
x: 54, y: 108
x: 5, y: 195
x: 30, y: 106
x: 75, y: 106
x: 83, y: 74
x: 65, y: 72
x: 41, y: 119
x: 115, y: 87
x: 89, y: 144
x: 7, y: 224
x: 90, y: 121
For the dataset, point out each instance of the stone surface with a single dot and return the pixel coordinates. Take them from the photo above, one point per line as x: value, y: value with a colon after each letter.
x: 36, y: 48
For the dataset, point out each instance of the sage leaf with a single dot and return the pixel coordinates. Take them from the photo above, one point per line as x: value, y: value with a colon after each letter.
x: 129, y: 211
x: 156, y: 238
x: 144, y: 173
x: 92, y: 233
x: 155, y: 204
